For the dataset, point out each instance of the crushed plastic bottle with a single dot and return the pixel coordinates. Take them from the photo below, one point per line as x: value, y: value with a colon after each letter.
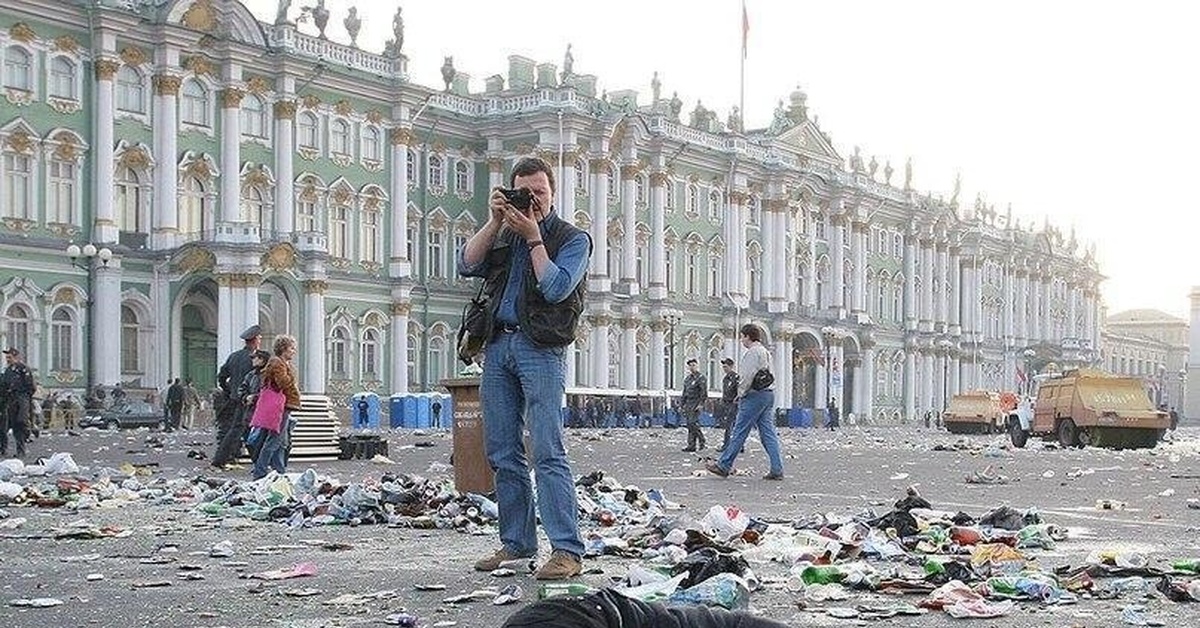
x: 725, y: 589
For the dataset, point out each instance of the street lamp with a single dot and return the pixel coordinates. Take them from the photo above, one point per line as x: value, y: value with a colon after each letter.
x: 945, y: 346
x: 88, y: 253
x: 672, y: 318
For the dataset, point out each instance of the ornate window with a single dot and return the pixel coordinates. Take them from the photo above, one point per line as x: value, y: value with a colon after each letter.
x: 755, y: 205
x: 19, y: 319
x: 306, y: 130
x: 129, y: 200
x: 613, y: 190
x: 254, y: 117
x: 339, y: 137
x: 640, y: 183
x: 411, y: 247
x: 372, y: 143
x: 462, y: 177
x: 410, y: 166
x: 131, y: 90
x: 437, y: 172
x: 413, y: 359
x: 581, y: 186
x: 370, y: 355
x: 714, y: 274
x: 437, y: 254
x: 130, y: 328
x: 254, y: 204
x: 18, y: 181
x: 337, y: 352
x: 62, y: 79
x: 691, y: 271
x: 62, y: 337
x: 669, y: 267
x: 460, y: 242
x: 370, y: 235
x: 194, y: 104
x: 60, y: 197
x: 670, y: 200
x: 714, y: 205
x: 339, y: 231
x: 693, y: 200
x: 18, y: 69
x: 819, y: 226
x: 755, y: 266
x: 883, y: 289
x: 193, y: 207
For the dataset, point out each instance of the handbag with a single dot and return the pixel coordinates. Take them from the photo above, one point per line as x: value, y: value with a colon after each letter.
x: 268, y: 410
x: 763, y: 380
x: 475, y: 328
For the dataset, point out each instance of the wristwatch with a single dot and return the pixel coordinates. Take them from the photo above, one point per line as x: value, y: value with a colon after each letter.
x: 533, y: 245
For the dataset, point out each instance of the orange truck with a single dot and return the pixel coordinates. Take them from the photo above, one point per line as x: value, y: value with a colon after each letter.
x: 978, y: 412
x: 1089, y: 407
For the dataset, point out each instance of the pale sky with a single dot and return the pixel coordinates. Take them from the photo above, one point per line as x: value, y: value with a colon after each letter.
x: 1086, y: 112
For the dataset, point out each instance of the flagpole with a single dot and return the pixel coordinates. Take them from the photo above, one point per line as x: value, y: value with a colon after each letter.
x: 742, y: 73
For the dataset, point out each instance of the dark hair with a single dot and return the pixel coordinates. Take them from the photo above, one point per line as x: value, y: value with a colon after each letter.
x: 527, y: 166
x: 752, y: 331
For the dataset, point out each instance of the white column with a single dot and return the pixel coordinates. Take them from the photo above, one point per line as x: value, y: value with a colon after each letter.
x: 226, y: 334
x: 1020, y: 315
x: 822, y: 388
x: 629, y: 225
x: 599, y: 345
x: 1073, y: 311
x: 313, y: 342
x: 867, y: 410
x: 566, y: 186
x: 285, y: 153
x: 598, y: 275
x: 737, y: 253
x: 837, y: 263
x: 105, y: 222
x: 809, y: 298
x: 658, y: 227
x: 106, y: 335
x: 231, y: 154
x: 399, y: 338
x: 165, y: 210
x: 943, y: 296
x: 628, y: 370
x: 1089, y: 316
x: 658, y: 349
x: 766, y: 236
x: 927, y: 377
x: 910, y: 384
x: 250, y: 300
x: 162, y: 353
x: 858, y: 255
x: 781, y: 353
x: 400, y: 265
x: 955, y: 384
x: 1006, y: 323
x: 955, y: 292
x: 927, y: 272
x: 783, y: 264
x: 910, y: 282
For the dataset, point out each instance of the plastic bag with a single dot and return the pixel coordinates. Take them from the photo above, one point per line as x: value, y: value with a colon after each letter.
x: 61, y: 464
x: 725, y: 523
x: 724, y: 589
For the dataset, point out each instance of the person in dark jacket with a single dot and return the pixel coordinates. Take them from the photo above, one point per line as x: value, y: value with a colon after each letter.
x: 729, y: 395
x: 691, y: 401
x: 230, y: 446
x: 226, y: 408
x: 611, y: 609
x: 174, y: 404
x: 16, y: 398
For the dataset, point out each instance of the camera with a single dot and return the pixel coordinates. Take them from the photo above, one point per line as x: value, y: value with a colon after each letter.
x: 520, y: 198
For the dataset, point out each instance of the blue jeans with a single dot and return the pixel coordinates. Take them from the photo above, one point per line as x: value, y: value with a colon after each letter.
x: 522, y: 388
x: 270, y: 453
x: 754, y: 410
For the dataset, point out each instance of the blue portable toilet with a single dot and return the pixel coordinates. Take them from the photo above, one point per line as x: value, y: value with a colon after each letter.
x: 404, y: 411
x: 364, y: 417
x: 396, y: 410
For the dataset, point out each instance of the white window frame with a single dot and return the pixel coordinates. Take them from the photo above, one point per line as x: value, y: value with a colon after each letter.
x: 31, y: 73
x: 341, y: 137
x: 56, y: 186
x: 302, y: 129
x: 124, y: 95
x: 254, y: 122
x: 193, y: 104
x: 370, y: 350
x: 370, y: 223
x: 64, y: 337
x: 10, y: 185
x: 53, y: 78
x: 371, y: 141
x: 339, y: 352
x: 339, y: 231
x: 462, y: 178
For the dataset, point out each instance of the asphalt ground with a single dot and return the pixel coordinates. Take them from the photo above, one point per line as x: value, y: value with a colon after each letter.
x: 840, y: 472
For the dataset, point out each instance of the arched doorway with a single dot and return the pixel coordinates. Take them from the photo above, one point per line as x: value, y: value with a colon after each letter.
x: 198, y: 335
x: 851, y: 397
x: 276, y: 313
x: 806, y: 360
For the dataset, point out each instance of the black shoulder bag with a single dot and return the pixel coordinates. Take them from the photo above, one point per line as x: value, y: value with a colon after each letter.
x: 475, y: 328
x: 763, y: 380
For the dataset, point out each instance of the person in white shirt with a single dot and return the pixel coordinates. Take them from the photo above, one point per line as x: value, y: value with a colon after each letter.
x: 755, y: 408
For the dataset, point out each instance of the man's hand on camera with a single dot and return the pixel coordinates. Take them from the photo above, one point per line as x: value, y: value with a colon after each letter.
x: 497, y: 207
x: 521, y: 222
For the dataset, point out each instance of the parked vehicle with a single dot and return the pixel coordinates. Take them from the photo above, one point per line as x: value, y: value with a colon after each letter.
x: 1088, y: 407
x: 978, y: 412
x: 129, y: 415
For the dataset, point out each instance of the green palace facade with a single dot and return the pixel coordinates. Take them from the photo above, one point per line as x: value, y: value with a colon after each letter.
x: 216, y: 170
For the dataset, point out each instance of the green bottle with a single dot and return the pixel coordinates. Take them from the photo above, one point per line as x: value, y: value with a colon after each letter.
x: 553, y: 589
x: 1187, y: 565
x: 822, y: 574
x: 934, y: 567
x: 1003, y: 585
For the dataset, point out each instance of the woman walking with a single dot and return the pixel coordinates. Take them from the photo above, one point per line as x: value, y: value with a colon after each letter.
x: 278, y: 378
x: 756, y: 404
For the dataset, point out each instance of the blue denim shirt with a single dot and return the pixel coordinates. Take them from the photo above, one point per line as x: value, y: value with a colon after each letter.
x: 562, y: 275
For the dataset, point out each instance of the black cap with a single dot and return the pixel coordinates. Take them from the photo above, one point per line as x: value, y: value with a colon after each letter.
x: 253, y: 332
x: 691, y: 361
x: 16, y: 353
x: 727, y: 361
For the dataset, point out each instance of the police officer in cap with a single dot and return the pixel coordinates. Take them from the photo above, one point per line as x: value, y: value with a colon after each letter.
x: 228, y: 379
x: 16, y: 397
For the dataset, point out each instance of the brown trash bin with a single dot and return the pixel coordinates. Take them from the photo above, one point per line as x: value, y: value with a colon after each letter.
x: 472, y: 473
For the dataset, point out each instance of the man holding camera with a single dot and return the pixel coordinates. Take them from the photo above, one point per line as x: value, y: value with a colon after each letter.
x: 533, y: 264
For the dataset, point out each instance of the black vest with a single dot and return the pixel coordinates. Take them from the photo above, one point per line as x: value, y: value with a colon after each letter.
x: 546, y: 324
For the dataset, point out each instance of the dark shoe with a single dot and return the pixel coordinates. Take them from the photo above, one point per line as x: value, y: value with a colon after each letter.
x: 716, y: 469
x: 688, y: 449
x: 562, y: 565
x: 492, y: 563
x: 773, y: 476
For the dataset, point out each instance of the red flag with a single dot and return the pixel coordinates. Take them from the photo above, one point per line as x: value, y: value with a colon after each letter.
x: 745, y: 28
